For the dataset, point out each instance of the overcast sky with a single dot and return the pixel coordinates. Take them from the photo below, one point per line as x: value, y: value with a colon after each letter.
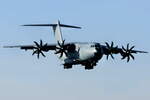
x: 24, y: 77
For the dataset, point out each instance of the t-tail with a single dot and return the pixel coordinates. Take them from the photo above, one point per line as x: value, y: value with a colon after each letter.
x: 56, y: 29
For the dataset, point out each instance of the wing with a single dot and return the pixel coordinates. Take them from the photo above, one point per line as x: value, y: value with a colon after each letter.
x: 37, y: 48
x: 31, y: 47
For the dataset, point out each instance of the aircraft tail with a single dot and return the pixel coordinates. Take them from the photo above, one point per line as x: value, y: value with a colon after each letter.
x: 56, y: 28
x: 58, y: 33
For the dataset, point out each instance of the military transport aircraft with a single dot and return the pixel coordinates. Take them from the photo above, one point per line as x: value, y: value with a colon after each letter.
x: 86, y: 54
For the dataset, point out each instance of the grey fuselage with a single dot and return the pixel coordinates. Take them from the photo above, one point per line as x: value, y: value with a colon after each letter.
x: 82, y: 53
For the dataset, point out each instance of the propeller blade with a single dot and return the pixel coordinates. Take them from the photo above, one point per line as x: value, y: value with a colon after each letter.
x: 132, y: 48
x: 112, y: 56
x: 123, y: 57
x: 107, y: 44
x: 58, y: 52
x: 61, y: 54
x: 38, y: 55
x: 43, y: 54
x: 132, y: 56
x: 45, y: 45
x: 65, y: 53
x: 112, y: 44
x: 123, y: 48
x: 34, y: 52
x: 58, y: 47
x: 59, y: 44
x: 63, y: 42
x: 107, y: 57
x: 128, y: 46
x: 36, y: 44
x: 128, y: 58
x: 116, y: 47
x: 41, y: 43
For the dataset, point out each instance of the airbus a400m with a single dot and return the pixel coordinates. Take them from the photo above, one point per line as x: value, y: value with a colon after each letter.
x: 86, y: 54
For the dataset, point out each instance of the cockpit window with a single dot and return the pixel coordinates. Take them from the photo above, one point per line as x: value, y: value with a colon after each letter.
x: 92, y: 45
x: 97, y: 45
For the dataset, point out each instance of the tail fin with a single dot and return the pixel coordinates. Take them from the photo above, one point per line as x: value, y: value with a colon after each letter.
x: 57, y: 32
x: 56, y: 29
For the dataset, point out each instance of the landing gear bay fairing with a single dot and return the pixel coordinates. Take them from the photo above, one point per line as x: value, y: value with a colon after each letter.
x: 86, y: 54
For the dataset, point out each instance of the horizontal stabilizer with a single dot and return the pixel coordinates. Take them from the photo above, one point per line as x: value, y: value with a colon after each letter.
x: 53, y: 25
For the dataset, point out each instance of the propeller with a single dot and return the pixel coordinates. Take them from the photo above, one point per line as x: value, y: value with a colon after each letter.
x: 127, y: 53
x: 39, y: 48
x: 61, y: 48
x: 111, y: 49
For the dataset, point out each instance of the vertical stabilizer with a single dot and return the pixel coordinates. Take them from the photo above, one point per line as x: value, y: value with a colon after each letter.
x: 57, y: 32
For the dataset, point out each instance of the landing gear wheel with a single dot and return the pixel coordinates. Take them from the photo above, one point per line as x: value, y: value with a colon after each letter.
x: 67, y: 66
x: 89, y: 66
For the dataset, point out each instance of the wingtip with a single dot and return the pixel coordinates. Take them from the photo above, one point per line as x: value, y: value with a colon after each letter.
x: 143, y: 52
x: 6, y: 46
x: 10, y: 46
x: 80, y: 27
x: 23, y: 25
